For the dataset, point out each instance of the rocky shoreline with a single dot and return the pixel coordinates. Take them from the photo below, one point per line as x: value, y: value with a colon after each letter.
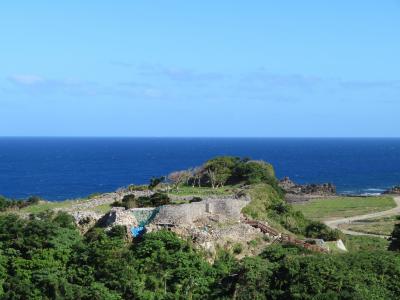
x: 393, y: 191
x: 305, y: 192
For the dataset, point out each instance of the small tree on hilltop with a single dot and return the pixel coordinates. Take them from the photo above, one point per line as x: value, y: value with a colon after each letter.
x: 212, y: 178
x: 197, y: 174
x: 254, y: 171
x: 179, y: 177
x: 219, y: 169
x: 156, y: 181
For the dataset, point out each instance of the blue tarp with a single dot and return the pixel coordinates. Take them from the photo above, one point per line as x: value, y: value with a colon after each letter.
x: 137, y: 231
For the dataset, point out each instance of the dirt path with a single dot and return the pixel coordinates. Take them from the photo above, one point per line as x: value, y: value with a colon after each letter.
x: 335, y: 223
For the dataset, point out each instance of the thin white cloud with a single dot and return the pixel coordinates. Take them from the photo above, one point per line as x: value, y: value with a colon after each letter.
x: 171, y: 83
x: 27, y: 79
x: 179, y: 74
x: 382, y: 84
x: 122, y: 64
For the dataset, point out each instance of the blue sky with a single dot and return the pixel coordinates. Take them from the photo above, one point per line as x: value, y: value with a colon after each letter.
x: 200, y: 68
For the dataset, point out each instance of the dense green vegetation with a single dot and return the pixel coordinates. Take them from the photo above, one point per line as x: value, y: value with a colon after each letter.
x: 281, y: 273
x: 356, y: 243
x: 232, y: 170
x: 45, y: 257
x: 221, y: 171
x: 395, y: 237
x: 157, y: 199
x: 344, y: 206
x: 9, y: 204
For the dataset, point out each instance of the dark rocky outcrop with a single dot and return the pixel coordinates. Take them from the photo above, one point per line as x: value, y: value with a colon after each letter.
x: 394, y: 190
x: 290, y: 187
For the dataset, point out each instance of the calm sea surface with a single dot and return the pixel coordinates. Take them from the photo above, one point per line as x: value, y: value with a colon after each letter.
x: 62, y: 168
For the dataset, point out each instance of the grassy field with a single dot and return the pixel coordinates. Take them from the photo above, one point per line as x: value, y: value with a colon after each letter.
x: 103, y: 208
x: 360, y: 243
x: 43, y: 206
x: 333, y: 247
x: 202, y: 191
x: 382, y: 226
x: 321, y: 209
x: 365, y: 243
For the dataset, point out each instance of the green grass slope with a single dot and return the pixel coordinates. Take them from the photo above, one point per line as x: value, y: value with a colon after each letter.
x: 268, y: 205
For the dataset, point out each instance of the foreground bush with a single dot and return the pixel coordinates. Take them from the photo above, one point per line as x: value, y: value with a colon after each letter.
x: 395, y: 238
x: 9, y: 204
x: 281, y: 273
x: 155, y: 200
x: 44, y: 257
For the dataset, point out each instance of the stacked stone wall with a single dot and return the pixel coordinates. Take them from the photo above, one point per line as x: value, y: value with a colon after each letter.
x: 188, y: 213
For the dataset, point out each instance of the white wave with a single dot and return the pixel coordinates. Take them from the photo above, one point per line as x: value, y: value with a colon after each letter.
x: 374, y: 190
x: 371, y: 194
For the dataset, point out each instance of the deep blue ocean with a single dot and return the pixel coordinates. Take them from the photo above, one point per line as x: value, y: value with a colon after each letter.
x: 64, y: 168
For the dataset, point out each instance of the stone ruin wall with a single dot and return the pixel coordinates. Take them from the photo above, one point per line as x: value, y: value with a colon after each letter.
x: 178, y: 215
x: 185, y: 214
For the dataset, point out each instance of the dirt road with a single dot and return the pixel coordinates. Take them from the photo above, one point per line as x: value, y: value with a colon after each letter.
x: 335, y: 223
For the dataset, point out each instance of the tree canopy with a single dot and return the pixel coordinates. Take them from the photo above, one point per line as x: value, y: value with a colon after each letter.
x: 45, y: 257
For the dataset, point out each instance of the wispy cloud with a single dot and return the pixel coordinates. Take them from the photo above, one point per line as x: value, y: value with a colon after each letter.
x: 357, y: 84
x: 179, y: 74
x: 185, y: 84
x: 28, y: 80
x: 40, y: 84
x: 122, y: 64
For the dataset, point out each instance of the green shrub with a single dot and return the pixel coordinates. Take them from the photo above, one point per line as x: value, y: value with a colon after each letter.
x: 93, y: 195
x: 159, y: 199
x: 117, y: 204
x: 195, y: 199
x: 32, y: 200
x: 395, y: 238
x: 129, y: 201
x: 155, y: 200
x: 256, y: 242
x: 155, y: 181
x: 319, y: 230
x: 117, y: 232
x: 9, y: 204
x: 237, y: 248
x: 133, y: 188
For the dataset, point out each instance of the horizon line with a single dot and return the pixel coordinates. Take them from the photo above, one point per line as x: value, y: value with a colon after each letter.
x: 206, y: 137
